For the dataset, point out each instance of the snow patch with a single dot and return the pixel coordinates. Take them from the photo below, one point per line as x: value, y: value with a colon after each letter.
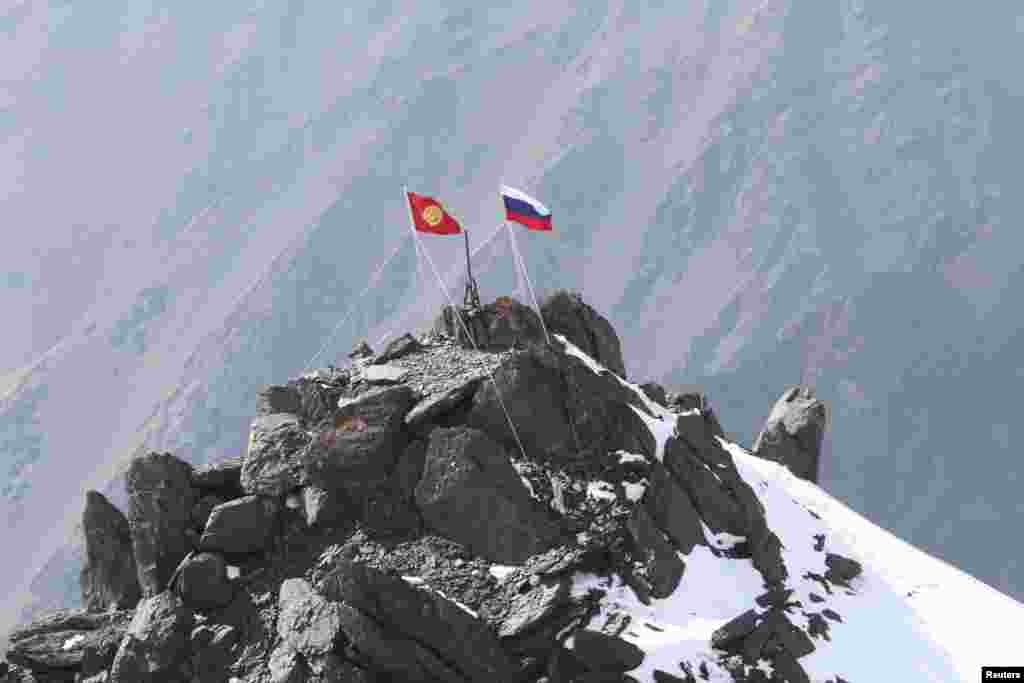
x: 722, y: 540
x: 600, y: 490
x: 73, y: 642
x: 500, y: 571
x: 625, y: 457
x: 414, y: 580
x: 634, y: 492
x: 234, y: 572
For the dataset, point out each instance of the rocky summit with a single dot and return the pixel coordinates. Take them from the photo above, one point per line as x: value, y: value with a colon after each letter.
x: 424, y: 515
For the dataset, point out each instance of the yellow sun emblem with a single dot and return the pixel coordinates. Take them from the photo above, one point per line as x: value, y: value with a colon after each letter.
x: 432, y: 215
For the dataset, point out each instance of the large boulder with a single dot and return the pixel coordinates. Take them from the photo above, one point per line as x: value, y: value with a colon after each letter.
x: 566, y: 313
x: 64, y: 643
x: 604, y: 653
x: 157, y: 643
x: 160, y: 498
x: 662, y: 569
x: 241, y: 526
x: 202, y: 581
x: 469, y: 492
x: 794, y: 432
x: 222, y: 479
x: 364, y: 439
x: 397, y: 348
x: 672, y: 511
x: 459, y: 639
x: 109, y: 578
x: 503, y: 324
x: 213, y: 651
x: 271, y: 464
x: 307, y: 623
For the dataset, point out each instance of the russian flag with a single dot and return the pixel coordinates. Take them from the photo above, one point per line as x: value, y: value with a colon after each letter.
x: 522, y: 208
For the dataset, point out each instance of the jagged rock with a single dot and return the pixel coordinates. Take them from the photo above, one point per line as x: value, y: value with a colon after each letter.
x: 672, y: 511
x: 714, y: 503
x: 109, y: 578
x: 202, y: 581
x: 409, y: 469
x: 470, y: 492
x: 307, y: 622
x: 694, y: 399
x: 285, y: 666
x: 156, y: 644
x: 323, y: 507
x: 58, y: 644
x: 774, y: 598
x: 841, y: 569
x: 271, y: 464
x: 364, y: 440
x: 384, y: 374
x: 277, y: 399
x: 559, y: 406
x: 363, y: 350
x: 459, y: 639
x: 202, y: 509
x: 213, y: 649
x: 222, y: 479
x: 817, y: 627
x: 665, y: 677
x: 565, y: 313
x: 662, y: 567
x: 241, y: 526
x: 436, y: 407
x: 318, y: 396
x: 832, y: 614
x: 734, y: 631
x: 503, y: 324
x: 397, y: 348
x: 160, y: 499
x: 655, y: 392
x: 528, y: 609
x: 788, y: 669
x: 794, y: 432
x: 604, y: 653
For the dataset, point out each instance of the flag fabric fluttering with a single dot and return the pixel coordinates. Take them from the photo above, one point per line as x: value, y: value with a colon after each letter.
x: 429, y: 216
x: 525, y: 210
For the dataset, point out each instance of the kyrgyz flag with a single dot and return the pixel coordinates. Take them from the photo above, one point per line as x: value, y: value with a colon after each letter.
x: 429, y: 216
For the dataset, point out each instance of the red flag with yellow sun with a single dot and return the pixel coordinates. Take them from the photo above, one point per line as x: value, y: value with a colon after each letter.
x: 429, y: 216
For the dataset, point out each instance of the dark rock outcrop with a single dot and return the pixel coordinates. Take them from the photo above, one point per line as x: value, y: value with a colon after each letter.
x: 109, y: 578
x: 794, y: 432
x: 222, y: 479
x: 62, y: 644
x: 661, y: 567
x: 460, y: 640
x: 202, y: 581
x: 271, y: 464
x: 841, y: 570
x: 470, y: 492
x: 307, y: 623
x: 241, y: 526
x: 396, y: 348
x: 156, y: 646
x: 160, y: 499
x: 604, y: 653
x: 503, y: 324
x: 566, y: 313
x: 277, y: 399
x: 670, y: 509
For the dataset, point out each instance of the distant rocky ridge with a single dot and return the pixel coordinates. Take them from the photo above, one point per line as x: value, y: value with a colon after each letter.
x: 407, y: 519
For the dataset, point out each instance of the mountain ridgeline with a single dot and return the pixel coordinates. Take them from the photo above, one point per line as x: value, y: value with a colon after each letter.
x: 420, y: 516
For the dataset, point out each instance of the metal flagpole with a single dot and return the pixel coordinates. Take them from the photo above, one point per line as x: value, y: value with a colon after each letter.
x: 472, y: 296
x: 522, y: 264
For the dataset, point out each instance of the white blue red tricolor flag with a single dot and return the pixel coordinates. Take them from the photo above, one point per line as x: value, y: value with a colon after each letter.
x: 522, y: 208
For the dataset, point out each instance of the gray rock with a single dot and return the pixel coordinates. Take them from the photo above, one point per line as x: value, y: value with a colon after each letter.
x: 307, y: 622
x: 528, y: 609
x: 462, y: 641
x: 213, y: 650
x: 471, y: 494
x: 384, y: 374
x: 202, y: 509
x: 437, y: 406
x: 202, y: 581
x: 223, y: 479
x: 734, y: 631
x: 794, y: 432
x: 672, y: 511
x: 109, y: 578
x: 503, y: 324
x: 655, y: 392
x: 285, y: 665
x: 160, y: 499
x: 66, y: 641
x: 363, y: 350
x: 324, y: 507
x: 271, y: 464
x: 396, y: 348
x: 241, y: 526
x: 662, y: 566
x: 604, y: 653
x: 841, y: 570
x: 565, y: 313
x: 278, y: 399
x: 156, y: 645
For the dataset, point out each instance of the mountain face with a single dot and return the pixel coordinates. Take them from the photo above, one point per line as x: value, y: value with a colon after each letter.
x: 757, y: 194
x: 501, y: 506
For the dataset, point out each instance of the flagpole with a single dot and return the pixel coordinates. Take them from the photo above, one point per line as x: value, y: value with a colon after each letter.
x: 472, y: 297
x: 415, y: 237
x: 520, y: 264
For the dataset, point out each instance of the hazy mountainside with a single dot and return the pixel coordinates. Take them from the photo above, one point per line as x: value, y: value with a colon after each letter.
x: 757, y: 192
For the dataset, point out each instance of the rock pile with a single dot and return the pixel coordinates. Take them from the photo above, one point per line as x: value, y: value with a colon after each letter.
x: 794, y: 432
x: 408, y: 519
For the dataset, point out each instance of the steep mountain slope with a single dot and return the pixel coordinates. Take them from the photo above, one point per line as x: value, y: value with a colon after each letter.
x: 758, y: 192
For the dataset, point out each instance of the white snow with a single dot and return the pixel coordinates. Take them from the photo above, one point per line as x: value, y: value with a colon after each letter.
x: 909, y: 616
x: 625, y: 457
x: 500, y: 571
x: 73, y: 642
x: 601, y: 490
x: 722, y: 540
x: 233, y: 571
x: 634, y: 492
x: 414, y: 580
